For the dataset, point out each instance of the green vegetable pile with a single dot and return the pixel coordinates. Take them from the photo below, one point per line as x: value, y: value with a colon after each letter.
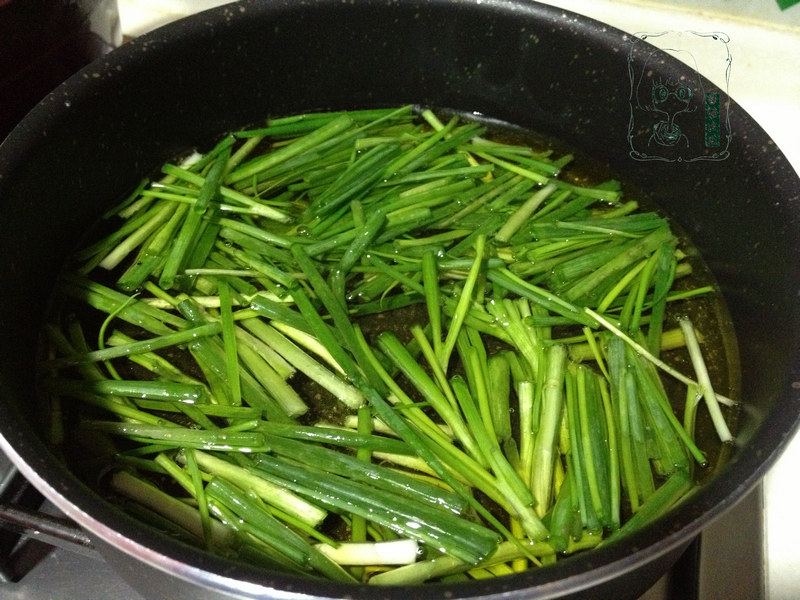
x: 377, y: 346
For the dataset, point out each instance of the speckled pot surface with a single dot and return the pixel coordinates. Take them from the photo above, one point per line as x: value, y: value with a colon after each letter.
x: 538, y: 67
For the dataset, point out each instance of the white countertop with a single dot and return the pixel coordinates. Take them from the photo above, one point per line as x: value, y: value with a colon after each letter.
x: 764, y: 80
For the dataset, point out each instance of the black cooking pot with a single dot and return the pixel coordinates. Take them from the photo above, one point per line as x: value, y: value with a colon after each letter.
x: 92, y: 139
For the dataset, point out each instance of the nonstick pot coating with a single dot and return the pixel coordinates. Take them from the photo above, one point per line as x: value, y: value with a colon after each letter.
x: 537, y: 67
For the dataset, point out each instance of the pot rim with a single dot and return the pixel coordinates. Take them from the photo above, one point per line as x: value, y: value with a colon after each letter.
x: 105, y: 522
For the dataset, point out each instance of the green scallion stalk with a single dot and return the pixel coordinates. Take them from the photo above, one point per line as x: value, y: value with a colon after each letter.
x: 499, y: 390
x: 137, y: 237
x: 300, y: 145
x: 642, y: 471
x: 343, y: 391
x: 229, y: 343
x: 335, y: 437
x: 613, y: 458
x: 219, y: 439
x: 129, y: 309
x: 276, y: 496
x: 268, y: 529
x: 704, y: 380
x: 239, y: 413
x: 181, y: 247
x: 458, y: 536
x: 595, y: 454
x: 544, y: 448
x: 630, y: 254
x: 276, y: 362
x: 163, y: 390
x: 511, y: 485
x: 430, y: 282
x: 359, y: 528
x: 663, y: 278
x: 440, y: 566
x: 284, y: 394
x: 173, y: 509
x: 426, y: 386
x: 366, y: 235
x: 393, y: 552
x: 523, y: 213
x: 670, y: 492
x: 514, y: 168
x: 165, y: 341
x: 367, y: 472
x: 463, y: 305
x: 340, y: 318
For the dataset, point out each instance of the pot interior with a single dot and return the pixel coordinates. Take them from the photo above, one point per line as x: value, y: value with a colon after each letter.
x: 87, y: 144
